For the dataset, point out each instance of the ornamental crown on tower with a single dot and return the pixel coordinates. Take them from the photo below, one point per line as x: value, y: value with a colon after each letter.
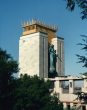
x: 34, y: 21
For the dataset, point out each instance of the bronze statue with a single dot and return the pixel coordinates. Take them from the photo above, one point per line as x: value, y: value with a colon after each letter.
x: 52, y: 58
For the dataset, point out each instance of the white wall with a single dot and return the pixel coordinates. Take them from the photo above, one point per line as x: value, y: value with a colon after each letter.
x: 59, y: 47
x: 31, y: 60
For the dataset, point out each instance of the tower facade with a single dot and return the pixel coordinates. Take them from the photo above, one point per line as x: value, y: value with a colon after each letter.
x: 58, y: 43
x: 34, y: 49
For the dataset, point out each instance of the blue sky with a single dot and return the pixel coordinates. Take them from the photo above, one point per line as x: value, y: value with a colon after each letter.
x: 70, y: 26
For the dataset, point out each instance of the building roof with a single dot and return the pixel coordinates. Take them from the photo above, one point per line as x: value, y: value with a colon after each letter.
x: 39, y: 23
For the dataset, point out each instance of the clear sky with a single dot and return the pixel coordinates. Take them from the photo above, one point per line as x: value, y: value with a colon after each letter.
x: 70, y: 26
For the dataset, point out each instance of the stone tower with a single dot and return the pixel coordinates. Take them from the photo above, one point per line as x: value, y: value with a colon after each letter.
x: 33, y: 49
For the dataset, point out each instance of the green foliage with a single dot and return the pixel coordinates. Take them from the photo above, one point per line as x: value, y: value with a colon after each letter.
x: 85, y: 74
x: 82, y: 4
x: 33, y: 93
x: 25, y: 93
x: 7, y: 68
x: 81, y: 58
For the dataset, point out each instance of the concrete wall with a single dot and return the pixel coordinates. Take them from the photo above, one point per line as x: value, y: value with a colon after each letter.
x: 59, y: 47
x: 67, y: 97
x: 32, y: 53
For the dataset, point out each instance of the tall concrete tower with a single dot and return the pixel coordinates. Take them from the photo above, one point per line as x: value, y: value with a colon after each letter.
x: 33, y: 49
x: 58, y: 43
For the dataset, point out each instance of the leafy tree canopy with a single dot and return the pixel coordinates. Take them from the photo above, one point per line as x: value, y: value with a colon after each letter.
x: 7, y: 68
x: 33, y: 93
x: 82, y: 4
x: 24, y: 93
x: 83, y: 58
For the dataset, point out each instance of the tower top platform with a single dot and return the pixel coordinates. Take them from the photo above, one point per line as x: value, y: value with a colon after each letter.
x: 38, y: 26
x: 39, y: 23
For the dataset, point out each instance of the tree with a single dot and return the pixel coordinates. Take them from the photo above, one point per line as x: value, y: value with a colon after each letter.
x: 83, y: 58
x: 82, y: 4
x: 24, y: 93
x: 7, y: 68
x: 33, y: 93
